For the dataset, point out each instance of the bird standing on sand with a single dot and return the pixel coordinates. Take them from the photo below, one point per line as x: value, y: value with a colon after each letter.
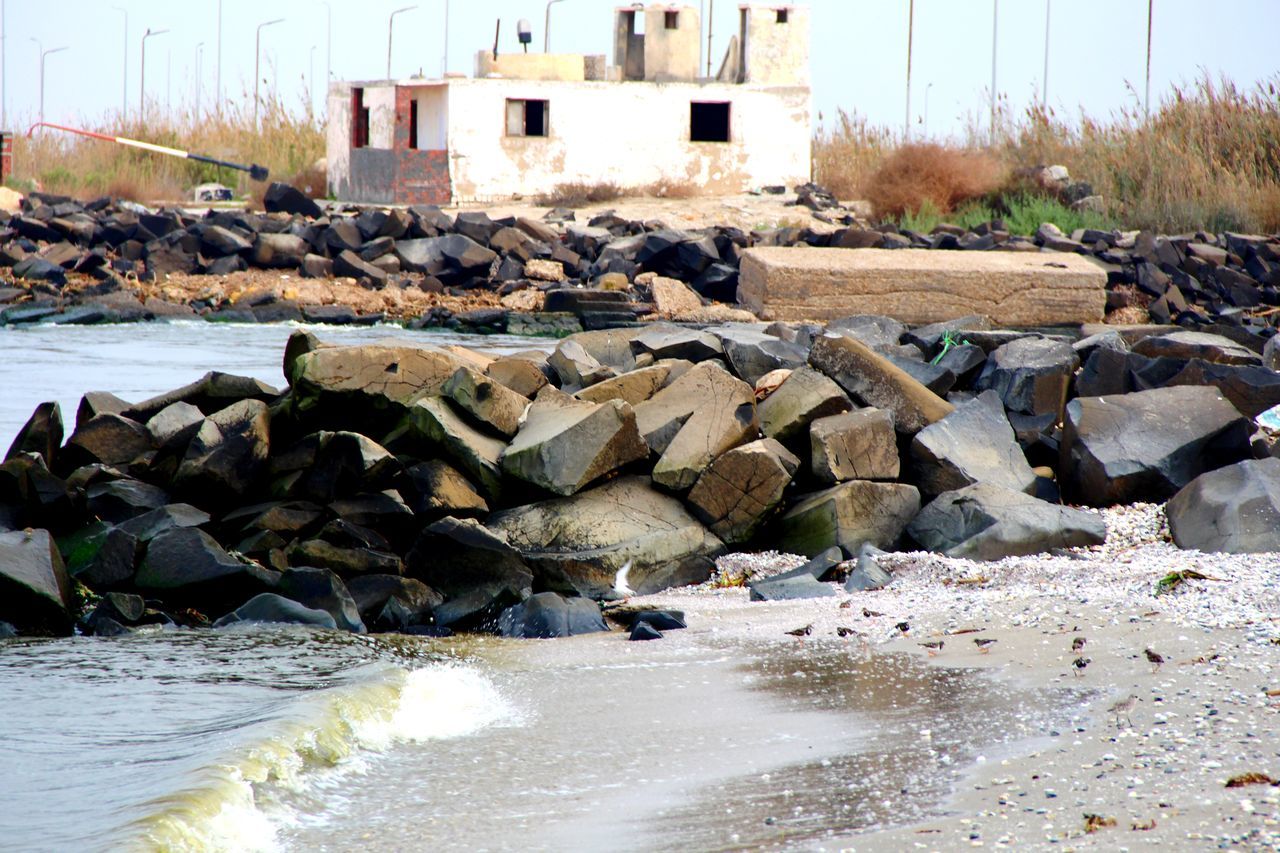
x: 933, y: 647
x: 870, y: 613
x: 1123, y: 708
x: 1077, y: 644
x: 903, y: 627
x: 1155, y: 659
x: 984, y: 644
x: 620, y: 581
x: 842, y: 631
x: 801, y: 632
x: 1080, y: 663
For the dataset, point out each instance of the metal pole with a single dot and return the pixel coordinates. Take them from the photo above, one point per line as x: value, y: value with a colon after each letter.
x: 257, y: 57
x: 911, y: 26
x: 43, y: 54
x: 1147, y: 98
x: 124, y: 68
x: 995, y: 22
x: 546, y: 27
x: 199, y: 57
x: 390, y: 29
x: 711, y: 16
x: 1044, y: 81
x: 142, y: 82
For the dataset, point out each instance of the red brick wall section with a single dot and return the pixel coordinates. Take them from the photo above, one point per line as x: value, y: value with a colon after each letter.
x: 422, y: 177
x: 6, y: 156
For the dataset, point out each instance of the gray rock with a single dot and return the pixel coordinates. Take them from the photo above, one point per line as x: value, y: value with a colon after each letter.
x: 175, y: 424
x: 973, y: 444
x: 1147, y: 445
x: 867, y: 574
x: 564, y: 447
x: 1030, y: 374
x: 271, y: 608
x: 874, y: 330
x: 752, y: 353
x: 321, y: 589
x: 1233, y: 510
x: 803, y: 397
x: 479, y: 455
x: 109, y: 439
x: 787, y: 589
x: 576, y: 367
x: 228, y: 453
x: 873, y: 379
x: 644, y: 631
x: 676, y: 342
x: 738, y: 491
x: 487, y: 400
x: 1187, y: 344
x: 42, y: 433
x: 391, y: 602
x: 986, y: 522
x: 857, y: 445
x: 35, y: 592
x: 120, y: 500
x: 548, y: 614
x: 278, y: 251
x: 186, y: 566
x: 474, y: 567
x: 437, y: 488
x: 849, y: 515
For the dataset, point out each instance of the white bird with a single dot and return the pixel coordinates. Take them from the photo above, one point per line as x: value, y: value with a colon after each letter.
x: 620, y: 581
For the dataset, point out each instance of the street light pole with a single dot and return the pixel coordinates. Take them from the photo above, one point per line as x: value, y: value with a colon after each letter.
x: 911, y: 25
x: 43, y: 54
x: 257, y: 57
x: 390, y: 29
x: 142, y: 72
x: 546, y: 27
x: 124, y: 68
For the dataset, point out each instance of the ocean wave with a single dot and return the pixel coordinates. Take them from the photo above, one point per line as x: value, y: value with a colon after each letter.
x: 270, y: 782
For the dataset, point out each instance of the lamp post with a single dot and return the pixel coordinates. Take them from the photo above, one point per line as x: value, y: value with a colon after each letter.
x: 546, y: 27
x: 257, y: 57
x: 142, y: 73
x: 124, y: 67
x: 199, y: 57
x: 391, y: 29
x: 43, y: 54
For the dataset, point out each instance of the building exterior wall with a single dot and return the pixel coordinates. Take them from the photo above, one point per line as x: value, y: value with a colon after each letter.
x: 632, y: 134
x: 337, y: 138
x: 773, y: 53
x: 671, y: 55
x: 531, y: 66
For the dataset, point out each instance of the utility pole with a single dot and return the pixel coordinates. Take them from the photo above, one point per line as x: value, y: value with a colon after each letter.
x: 1147, y: 98
x: 257, y: 57
x: 1044, y: 81
x: 995, y: 22
x: 911, y: 24
x: 142, y: 82
x: 546, y: 31
x: 124, y: 68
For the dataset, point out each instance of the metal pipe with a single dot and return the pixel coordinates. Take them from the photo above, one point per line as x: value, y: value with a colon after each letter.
x: 911, y: 28
x: 546, y: 27
x: 124, y: 68
x: 142, y: 73
x: 257, y: 58
x: 256, y: 172
x: 390, y: 29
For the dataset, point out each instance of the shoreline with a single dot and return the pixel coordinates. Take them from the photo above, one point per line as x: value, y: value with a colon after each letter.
x: 1200, y: 721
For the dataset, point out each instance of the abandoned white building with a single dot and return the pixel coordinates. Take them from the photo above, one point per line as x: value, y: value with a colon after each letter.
x: 526, y: 123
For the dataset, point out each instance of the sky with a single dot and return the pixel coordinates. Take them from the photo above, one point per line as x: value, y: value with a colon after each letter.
x: 1097, y: 51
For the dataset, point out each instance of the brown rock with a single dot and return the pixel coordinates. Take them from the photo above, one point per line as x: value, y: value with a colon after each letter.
x: 487, y: 400
x: 849, y: 515
x: 858, y: 445
x: 521, y: 375
x: 740, y: 488
x: 564, y: 447
x: 878, y: 382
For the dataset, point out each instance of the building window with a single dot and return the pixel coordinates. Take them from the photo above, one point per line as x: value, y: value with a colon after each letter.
x: 359, y: 119
x: 413, y: 123
x: 528, y: 118
x: 709, y: 121
x: 672, y: 20
x: 782, y: 16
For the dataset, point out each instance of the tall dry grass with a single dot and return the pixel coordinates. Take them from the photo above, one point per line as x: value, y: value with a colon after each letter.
x: 1208, y: 157
x: 288, y: 143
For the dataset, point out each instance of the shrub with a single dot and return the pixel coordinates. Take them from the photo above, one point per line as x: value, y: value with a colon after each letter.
x: 920, y: 173
x: 579, y: 194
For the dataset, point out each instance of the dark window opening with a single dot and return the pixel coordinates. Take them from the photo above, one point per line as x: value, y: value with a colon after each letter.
x: 782, y: 16
x: 672, y: 20
x: 413, y: 123
x: 359, y: 119
x: 528, y: 118
x: 709, y: 122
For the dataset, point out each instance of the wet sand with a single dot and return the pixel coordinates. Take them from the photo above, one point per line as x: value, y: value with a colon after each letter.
x: 1202, y: 717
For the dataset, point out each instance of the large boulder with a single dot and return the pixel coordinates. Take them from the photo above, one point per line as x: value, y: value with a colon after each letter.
x: 803, y: 397
x: 858, y: 445
x: 271, y: 608
x: 392, y: 602
x: 473, y: 565
x: 344, y: 380
x: 344, y: 463
x: 1147, y: 445
x: 487, y: 400
x: 739, y: 490
x: 563, y: 447
x: 35, y: 592
x: 42, y: 433
x: 973, y: 444
x: 185, y: 566
x: 549, y: 614
x: 633, y: 387
x: 1202, y: 345
x: 107, y: 439
x: 1233, y: 510
x: 988, y: 522
x: 579, y: 543
x: 228, y: 453
x: 210, y: 393
x: 876, y: 381
x: 1030, y: 374
x: 321, y: 589
x: 752, y: 353
x: 476, y: 453
x: 693, y: 420
x: 848, y: 515
x: 437, y: 488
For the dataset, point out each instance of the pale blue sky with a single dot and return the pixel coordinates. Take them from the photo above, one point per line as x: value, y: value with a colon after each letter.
x: 1097, y: 52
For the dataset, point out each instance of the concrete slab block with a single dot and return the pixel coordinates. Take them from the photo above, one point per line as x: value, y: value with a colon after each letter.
x: 922, y: 285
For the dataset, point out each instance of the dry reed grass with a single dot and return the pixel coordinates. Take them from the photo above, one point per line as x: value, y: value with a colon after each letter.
x: 920, y: 174
x: 580, y: 194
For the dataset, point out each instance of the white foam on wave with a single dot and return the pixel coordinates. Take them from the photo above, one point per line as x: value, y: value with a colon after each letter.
x: 242, y: 805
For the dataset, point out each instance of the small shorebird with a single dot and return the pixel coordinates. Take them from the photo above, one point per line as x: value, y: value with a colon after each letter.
x: 1077, y: 644
x: 842, y: 631
x: 933, y: 647
x: 870, y: 613
x: 984, y: 644
x: 846, y: 604
x: 799, y: 633
x: 1080, y: 663
x: 620, y: 581
x: 1123, y: 708
x: 904, y: 627
x: 1154, y: 658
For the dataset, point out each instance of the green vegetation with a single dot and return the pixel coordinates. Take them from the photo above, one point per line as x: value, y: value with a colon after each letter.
x: 1022, y: 213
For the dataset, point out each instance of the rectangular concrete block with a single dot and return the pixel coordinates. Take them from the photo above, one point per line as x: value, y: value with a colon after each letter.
x: 922, y: 285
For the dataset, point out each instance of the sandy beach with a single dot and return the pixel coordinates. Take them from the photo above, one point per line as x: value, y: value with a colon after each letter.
x: 1202, y: 717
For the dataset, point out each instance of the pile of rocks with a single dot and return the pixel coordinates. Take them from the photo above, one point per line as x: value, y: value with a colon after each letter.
x: 423, y: 488
x: 554, y: 274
